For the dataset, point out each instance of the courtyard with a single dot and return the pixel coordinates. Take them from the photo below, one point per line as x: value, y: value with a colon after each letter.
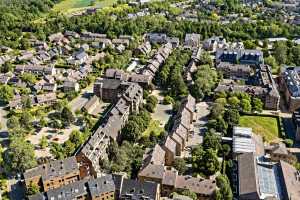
x: 265, y: 126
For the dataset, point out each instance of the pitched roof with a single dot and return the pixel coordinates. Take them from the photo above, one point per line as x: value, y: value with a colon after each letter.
x: 56, y: 168
x: 170, y: 145
x: 139, y: 190
x: 153, y: 171
x: 101, y: 185
x: 197, y: 185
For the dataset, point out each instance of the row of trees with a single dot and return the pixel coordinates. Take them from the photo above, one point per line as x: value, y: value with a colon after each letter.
x: 205, y: 78
x: 171, y: 73
x: 205, y: 161
x: 136, y: 125
x: 124, y: 158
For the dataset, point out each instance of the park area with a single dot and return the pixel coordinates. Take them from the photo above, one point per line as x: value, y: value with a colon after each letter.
x: 265, y: 126
x: 77, y: 5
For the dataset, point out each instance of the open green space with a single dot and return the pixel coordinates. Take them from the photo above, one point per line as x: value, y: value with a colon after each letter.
x: 267, y: 127
x: 153, y: 127
x: 76, y: 5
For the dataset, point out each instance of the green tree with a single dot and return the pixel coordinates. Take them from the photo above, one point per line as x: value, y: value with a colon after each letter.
x: 270, y: 60
x: 26, y: 119
x: 226, y: 149
x: 19, y: 155
x: 206, y: 59
x: 257, y: 105
x: 233, y: 102
x: 13, y: 122
x: 289, y: 142
x: 76, y: 138
x: 280, y: 52
x: 217, y: 110
x: 296, y: 55
x: 43, y: 142
x: 28, y: 78
x: 224, y: 187
x: 43, y: 122
x: 26, y: 102
x: 168, y: 100
x: 131, y: 131
x: 57, y: 151
x: 6, y: 93
x: 232, y: 117
x: 205, y: 162
x: 246, y: 105
x: 69, y: 148
x: 67, y: 115
x: 211, y: 141
x: 32, y: 189
x: 190, y: 194
x: 1, y: 155
x: 180, y: 165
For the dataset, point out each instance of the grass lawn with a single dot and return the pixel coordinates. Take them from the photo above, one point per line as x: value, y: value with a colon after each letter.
x: 264, y: 126
x: 74, y: 5
x: 153, y: 126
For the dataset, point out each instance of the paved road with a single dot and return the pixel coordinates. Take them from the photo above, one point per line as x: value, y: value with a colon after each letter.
x: 202, y: 112
x: 3, y: 118
x: 3, y: 130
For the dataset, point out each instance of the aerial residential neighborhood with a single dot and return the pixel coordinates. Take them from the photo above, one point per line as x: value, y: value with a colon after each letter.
x: 150, y: 100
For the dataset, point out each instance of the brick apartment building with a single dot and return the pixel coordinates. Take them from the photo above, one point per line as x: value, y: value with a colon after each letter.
x: 54, y: 174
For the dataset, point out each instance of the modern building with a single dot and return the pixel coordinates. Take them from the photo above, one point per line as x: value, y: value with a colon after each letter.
x: 260, y: 179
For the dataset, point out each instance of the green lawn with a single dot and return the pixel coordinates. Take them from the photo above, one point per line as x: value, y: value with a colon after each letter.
x: 153, y: 126
x: 264, y: 126
x: 76, y: 5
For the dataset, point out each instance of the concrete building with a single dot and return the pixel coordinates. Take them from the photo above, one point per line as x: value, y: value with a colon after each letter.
x: 259, y: 179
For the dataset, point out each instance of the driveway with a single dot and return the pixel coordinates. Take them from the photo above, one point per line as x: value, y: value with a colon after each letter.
x: 162, y: 112
x: 202, y: 112
x: 3, y: 130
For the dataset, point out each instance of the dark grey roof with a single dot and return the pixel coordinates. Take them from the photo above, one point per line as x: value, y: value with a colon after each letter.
x: 134, y: 189
x: 108, y: 83
x: 53, y: 169
x: 101, y: 185
x: 68, y: 192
